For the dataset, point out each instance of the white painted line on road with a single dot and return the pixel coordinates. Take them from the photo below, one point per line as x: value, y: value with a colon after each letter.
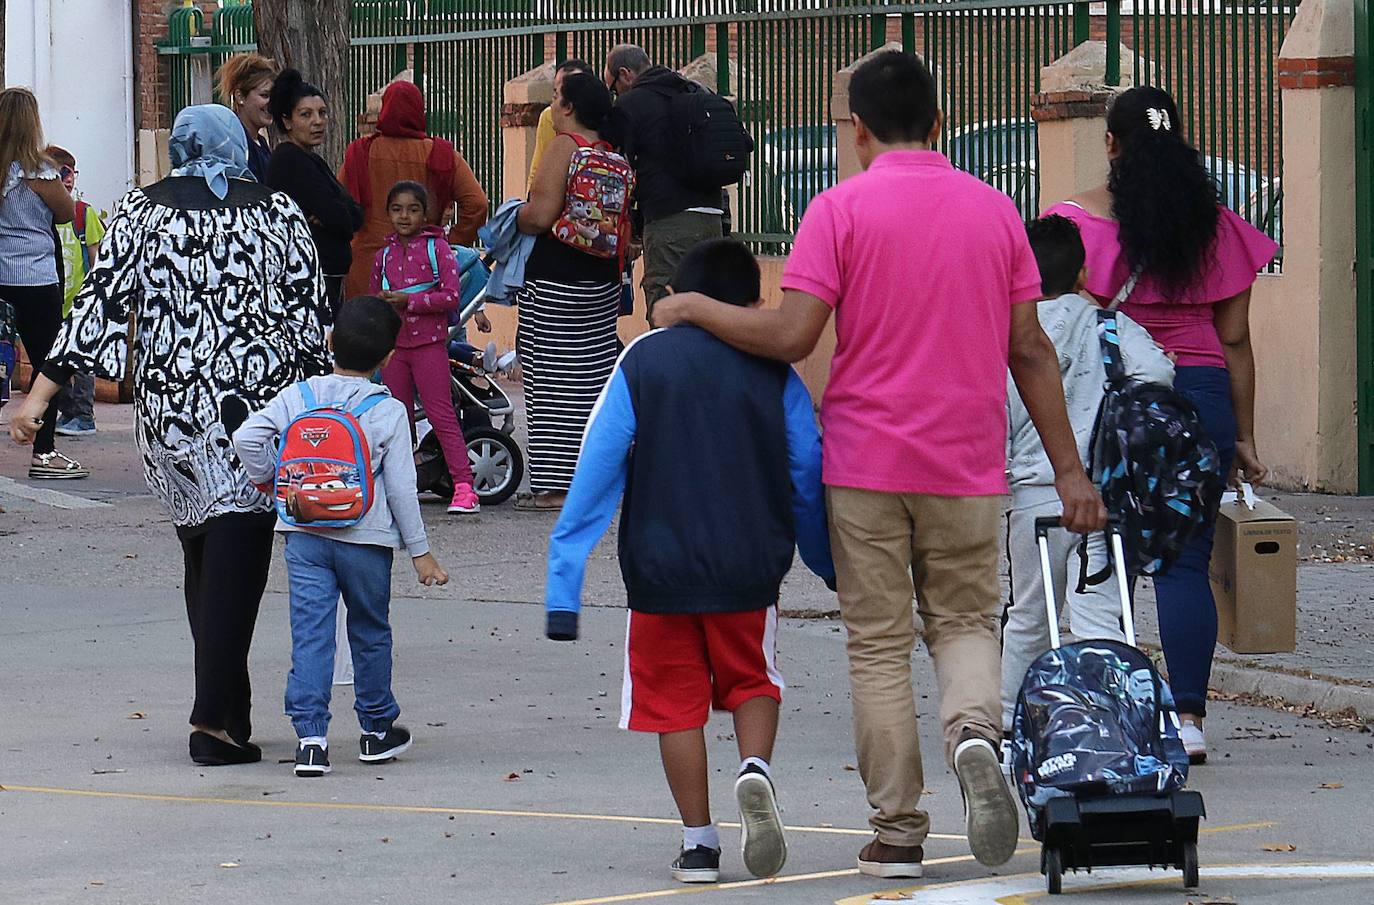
x: 1021, y: 888
x: 54, y: 498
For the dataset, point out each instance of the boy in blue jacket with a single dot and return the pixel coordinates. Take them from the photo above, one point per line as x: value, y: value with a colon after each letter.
x: 718, y: 458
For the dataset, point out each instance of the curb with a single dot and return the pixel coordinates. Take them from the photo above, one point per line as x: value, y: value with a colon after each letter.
x: 1319, y: 694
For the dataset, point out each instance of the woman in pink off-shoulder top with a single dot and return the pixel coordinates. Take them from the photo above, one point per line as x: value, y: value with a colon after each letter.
x: 1158, y: 216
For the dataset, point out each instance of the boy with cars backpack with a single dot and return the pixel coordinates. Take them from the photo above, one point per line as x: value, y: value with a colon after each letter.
x: 335, y: 452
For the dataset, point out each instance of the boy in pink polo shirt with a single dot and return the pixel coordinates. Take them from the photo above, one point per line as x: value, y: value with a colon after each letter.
x: 929, y: 276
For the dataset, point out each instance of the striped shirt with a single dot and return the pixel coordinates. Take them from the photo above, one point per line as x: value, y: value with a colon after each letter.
x: 28, y: 248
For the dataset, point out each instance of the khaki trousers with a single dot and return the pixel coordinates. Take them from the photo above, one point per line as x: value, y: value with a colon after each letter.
x: 888, y: 546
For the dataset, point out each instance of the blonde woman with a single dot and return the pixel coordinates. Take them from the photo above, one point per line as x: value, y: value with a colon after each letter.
x: 32, y: 200
x: 245, y: 86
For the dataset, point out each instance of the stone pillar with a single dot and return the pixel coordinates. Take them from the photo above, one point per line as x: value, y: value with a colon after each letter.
x: 526, y: 97
x: 1070, y: 113
x: 1302, y: 322
x: 846, y: 157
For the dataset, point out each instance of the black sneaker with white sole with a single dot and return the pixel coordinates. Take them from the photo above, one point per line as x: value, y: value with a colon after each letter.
x: 312, y: 760
x: 697, y: 865
x: 993, y: 823
x: 761, y: 836
x: 374, y: 750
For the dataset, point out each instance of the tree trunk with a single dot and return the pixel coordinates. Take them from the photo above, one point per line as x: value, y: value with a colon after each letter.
x: 312, y: 36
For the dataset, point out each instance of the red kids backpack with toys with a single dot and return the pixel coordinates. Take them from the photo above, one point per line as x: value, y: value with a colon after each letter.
x: 596, y: 209
x: 324, y: 465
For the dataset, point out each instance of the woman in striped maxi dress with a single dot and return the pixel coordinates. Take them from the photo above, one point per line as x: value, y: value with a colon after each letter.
x: 568, y: 309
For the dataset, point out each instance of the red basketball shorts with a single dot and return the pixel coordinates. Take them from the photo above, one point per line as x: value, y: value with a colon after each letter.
x: 678, y: 666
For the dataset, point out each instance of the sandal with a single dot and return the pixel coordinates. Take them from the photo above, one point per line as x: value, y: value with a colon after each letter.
x: 536, y: 502
x: 54, y: 466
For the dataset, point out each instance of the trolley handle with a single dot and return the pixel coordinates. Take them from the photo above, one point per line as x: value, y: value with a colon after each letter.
x: 1045, y: 524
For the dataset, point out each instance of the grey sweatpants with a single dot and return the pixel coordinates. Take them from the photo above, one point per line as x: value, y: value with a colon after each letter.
x: 1094, y: 614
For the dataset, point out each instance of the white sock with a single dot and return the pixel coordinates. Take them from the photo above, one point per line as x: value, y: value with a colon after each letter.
x: 376, y: 735
x: 757, y: 762
x: 694, y: 836
x: 315, y: 740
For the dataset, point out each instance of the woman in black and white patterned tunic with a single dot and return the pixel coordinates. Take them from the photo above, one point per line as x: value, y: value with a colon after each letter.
x: 222, y: 281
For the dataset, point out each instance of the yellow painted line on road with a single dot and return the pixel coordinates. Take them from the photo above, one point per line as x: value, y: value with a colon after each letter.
x: 746, y: 884
x: 413, y: 809
x: 1018, y: 900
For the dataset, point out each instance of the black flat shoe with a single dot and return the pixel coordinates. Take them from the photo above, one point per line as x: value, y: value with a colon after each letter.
x: 209, y: 751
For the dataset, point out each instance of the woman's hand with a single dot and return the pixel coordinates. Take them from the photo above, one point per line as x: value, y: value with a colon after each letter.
x: 397, y: 300
x: 482, y: 322
x: 26, y: 422
x: 1247, y: 465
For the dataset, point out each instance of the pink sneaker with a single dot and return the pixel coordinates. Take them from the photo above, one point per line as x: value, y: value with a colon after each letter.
x: 464, y: 500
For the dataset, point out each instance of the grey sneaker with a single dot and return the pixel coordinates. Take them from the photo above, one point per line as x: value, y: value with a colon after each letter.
x: 312, y: 760
x: 697, y: 865
x: 374, y: 750
x: 761, y: 836
x: 988, y: 806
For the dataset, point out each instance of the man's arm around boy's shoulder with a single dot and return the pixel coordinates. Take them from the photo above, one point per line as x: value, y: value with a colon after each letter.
x: 808, y: 493
x: 597, y: 486
x: 1142, y: 357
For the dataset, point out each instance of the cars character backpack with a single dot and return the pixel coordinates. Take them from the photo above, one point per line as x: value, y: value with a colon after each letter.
x: 596, y: 209
x: 324, y: 465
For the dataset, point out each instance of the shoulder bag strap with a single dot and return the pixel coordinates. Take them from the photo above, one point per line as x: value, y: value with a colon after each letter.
x: 386, y: 253
x: 307, y: 395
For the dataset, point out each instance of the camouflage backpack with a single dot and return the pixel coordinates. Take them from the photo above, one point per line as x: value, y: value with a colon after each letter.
x: 1157, y: 469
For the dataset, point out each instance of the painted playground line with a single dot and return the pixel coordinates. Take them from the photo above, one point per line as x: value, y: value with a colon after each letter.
x: 1021, y: 889
x: 1013, y: 890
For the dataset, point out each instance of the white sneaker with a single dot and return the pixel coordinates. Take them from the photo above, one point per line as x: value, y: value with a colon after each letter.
x: 993, y: 822
x: 1194, y: 742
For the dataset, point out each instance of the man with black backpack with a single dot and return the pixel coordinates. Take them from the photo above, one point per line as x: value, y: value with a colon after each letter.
x: 686, y: 144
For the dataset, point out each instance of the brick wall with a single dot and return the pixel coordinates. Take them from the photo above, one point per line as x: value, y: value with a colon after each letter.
x: 152, y: 71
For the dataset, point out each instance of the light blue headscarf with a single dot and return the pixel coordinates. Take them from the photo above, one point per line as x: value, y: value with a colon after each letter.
x: 209, y: 141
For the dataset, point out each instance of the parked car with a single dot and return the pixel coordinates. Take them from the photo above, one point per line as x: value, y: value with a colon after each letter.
x: 1003, y: 154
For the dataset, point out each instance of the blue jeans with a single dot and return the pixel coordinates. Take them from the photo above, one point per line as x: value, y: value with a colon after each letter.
x: 1187, y: 611
x: 319, y: 569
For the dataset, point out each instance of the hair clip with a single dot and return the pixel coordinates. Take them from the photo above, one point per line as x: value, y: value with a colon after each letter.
x: 1159, y: 119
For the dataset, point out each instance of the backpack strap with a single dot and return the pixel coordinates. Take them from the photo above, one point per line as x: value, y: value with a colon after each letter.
x: 370, y: 403
x: 1125, y: 291
x: 418, y: 287
x: 307, y: 395
x: 1108, y: 335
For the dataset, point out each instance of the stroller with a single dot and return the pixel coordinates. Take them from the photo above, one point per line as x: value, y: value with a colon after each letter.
x: 1096, y: 753
x: 485, y: 413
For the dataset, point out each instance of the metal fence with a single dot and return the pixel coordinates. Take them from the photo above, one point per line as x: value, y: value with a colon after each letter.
x: 779, y: 59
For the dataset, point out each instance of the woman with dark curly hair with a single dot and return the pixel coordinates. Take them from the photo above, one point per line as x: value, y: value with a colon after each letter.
x: 1158, y: 222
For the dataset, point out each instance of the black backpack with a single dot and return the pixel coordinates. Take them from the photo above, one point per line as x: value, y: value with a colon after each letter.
x: 715, y: 145
x: 1150, y: 456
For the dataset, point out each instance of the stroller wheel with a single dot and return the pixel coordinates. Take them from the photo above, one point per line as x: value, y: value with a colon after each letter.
x: 498, y: 466
x: 1053, y: 868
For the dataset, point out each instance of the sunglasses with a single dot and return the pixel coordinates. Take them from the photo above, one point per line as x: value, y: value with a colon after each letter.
x: 67, y: 172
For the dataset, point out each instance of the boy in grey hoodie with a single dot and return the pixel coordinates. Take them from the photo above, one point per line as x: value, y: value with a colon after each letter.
x: 321, y: 563
x: 1070, y: 320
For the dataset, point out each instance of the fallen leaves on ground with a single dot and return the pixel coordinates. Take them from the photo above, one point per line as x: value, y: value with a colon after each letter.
x: 1332, y: 785
x: 229, y: 864
x: 138, y: 715
x: 1279, y: 847
x: 512, y: 777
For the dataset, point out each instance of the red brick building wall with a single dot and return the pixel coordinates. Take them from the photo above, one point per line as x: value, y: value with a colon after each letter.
x: 150, y: 71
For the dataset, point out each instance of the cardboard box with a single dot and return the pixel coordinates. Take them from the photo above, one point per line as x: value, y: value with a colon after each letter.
x: 1254, y: 576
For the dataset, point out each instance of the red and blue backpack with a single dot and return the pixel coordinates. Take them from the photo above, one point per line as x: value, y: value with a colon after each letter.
x: 324, y: 465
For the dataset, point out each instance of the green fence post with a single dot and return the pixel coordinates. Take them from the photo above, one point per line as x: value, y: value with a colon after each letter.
x: 877, y: 30
x: 1113, y: 43
x: 1364, y: 244
x: 1082, y: 23
x: 560, y: 48
x: 722, y: 59
x: 698, y: 42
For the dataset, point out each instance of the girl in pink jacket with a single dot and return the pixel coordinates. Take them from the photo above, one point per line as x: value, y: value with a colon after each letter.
x: 417, y: 273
